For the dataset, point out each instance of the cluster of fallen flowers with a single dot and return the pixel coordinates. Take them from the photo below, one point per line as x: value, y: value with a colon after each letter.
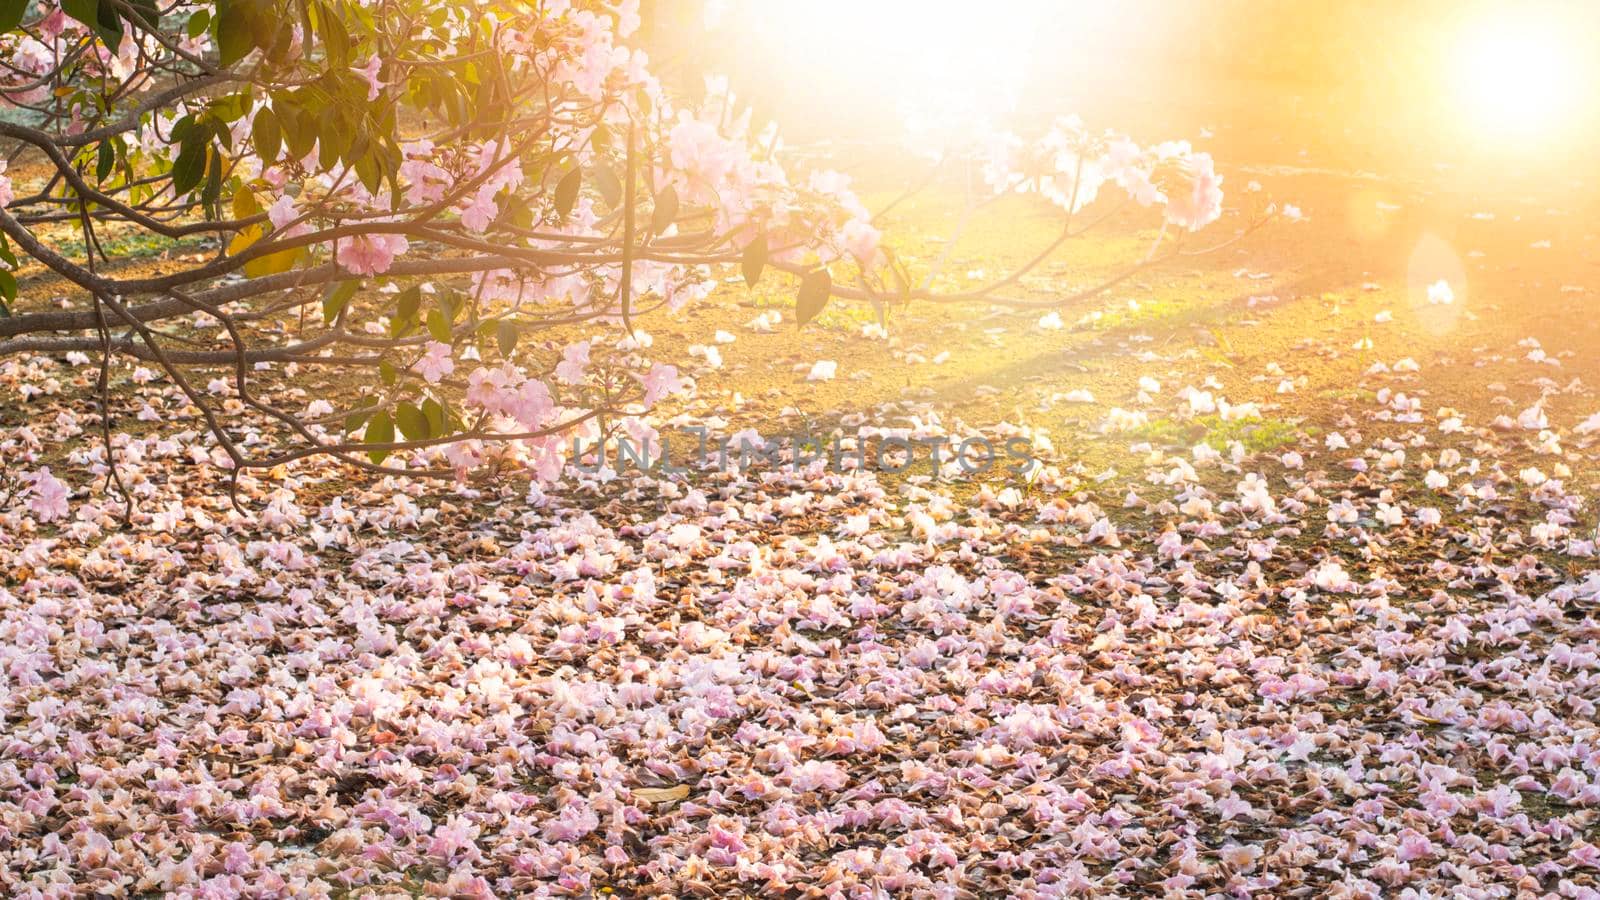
x: 1366, y: 665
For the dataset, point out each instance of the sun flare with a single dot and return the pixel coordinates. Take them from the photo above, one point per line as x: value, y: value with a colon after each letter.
x: 1521, y: 75
x: 929, y: 62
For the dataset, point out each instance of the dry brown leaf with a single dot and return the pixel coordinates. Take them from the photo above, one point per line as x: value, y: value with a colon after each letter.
x: 662, y: 794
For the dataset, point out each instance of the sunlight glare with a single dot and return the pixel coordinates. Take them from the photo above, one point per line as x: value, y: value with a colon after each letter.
x: 1519, y: 75
x: 934, y: 62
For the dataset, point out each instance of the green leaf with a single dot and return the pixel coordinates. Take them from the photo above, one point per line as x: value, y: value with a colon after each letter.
x: 333, y: 138
x: 449, y: 303
x: 355, y: 420
x: 266, y: 135
x: 337, y: 298
x: 367, y: 170
x: 438, y: 417
x: 438, y: 326
x: 147, y: 12
x: 387, y: 373
x: 567, y: 192
x: 223, y: 133
x: 299, y: 131
x: 408, y: 303
x: 190, y: 166
x: 235, y: 32
x: 283, y: 40
x: 8, y: 288
x: 754, y: 260
x: 379, y: 431
x: 101, y: 18
x: 413, y: 423
x: 181, y: 130
x: 666, y: 211
x: 506, y: 335
x: 11, y: 12
x: 815, y: 288
x: 198, y: 23
x: 107, y: 159
x: 605, y: 178
x: 232, y: 107
x: 520, y: 216
x: 335, y: 37
x: 213, y: 189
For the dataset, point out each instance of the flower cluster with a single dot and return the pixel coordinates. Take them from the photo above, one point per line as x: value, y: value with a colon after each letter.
x: 1068, y: 166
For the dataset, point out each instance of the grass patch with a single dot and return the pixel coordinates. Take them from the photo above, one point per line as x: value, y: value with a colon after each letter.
x: 138, y: 245
x: 1362, y: 395
x: 1147, y: 313
x: 1257, y: 435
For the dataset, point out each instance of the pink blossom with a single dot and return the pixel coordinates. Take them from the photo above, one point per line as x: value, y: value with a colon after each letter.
x: 369, y: 72
x: 628, y: 18
x: 486, y: 387
x: 281, y: 213
x: 34, y: 57
x: 499, y: 165
x: 575, y: 821
x: 436, y: 363
x: 454, y: 839
x: 53, y: 23
x: 1331, y: 576
x: 1198, y: 202
x: 47, y: 496
x: 574, y: 363
x: 425, y: 179
x: 836, y: 186
x: 818, y: 775
x: 480, y: 212
x: 1125, y: 163
x: 1240, y: 856
x: 1413, y: 845
x: 703, y: 155
x: 861, y: 241
x: 531, y: 405
x: 370, y: 254
x: 662, y: 381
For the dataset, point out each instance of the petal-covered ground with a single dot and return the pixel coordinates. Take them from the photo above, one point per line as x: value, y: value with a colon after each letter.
x: 1304, y: 604
x: 1206, y: 678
